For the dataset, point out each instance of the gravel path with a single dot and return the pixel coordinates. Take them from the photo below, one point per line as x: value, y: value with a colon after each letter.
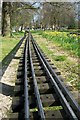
x: 7, y: 84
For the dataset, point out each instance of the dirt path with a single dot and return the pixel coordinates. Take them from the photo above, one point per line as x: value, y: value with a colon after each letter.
x: 68, y: 67
x: 7, y: 84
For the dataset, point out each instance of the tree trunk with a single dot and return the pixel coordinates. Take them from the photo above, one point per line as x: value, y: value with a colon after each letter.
x: 5, y: 19
x: 21, y: 27
x: 0, y: 15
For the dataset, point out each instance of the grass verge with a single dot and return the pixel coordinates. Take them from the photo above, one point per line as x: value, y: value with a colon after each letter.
x: 8, y: 43
x: 65, y: 40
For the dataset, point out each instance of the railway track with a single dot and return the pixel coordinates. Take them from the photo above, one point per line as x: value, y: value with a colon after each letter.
x: 39, y: 92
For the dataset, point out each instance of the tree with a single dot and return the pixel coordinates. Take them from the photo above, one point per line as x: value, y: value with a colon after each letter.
x: 57, y: 14
x: 6, y: 18
x: 13, y: 14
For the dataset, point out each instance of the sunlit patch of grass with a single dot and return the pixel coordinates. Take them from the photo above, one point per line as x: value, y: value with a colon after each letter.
x: 7, y: 44
x: 33, y: 110
x: 48, y: 108
x: 17, y: 34
x: 53, y: 108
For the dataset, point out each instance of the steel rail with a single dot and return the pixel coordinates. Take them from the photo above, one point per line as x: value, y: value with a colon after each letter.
x: 26, y: 102
x: 58, y: 91
x: 69, y: 97
x: 36, y: 90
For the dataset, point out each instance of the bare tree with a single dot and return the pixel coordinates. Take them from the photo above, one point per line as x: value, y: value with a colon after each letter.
x: 58, y: 14
x: 15, y: 14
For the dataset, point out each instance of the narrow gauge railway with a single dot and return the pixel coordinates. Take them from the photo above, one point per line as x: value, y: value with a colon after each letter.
x: 39, y: 92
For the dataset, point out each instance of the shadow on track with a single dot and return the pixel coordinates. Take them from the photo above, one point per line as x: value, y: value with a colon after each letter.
x: 6, y: 89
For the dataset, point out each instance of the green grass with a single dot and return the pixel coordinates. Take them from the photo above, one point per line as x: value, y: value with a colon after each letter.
x: 68, y: 43
x: 54, y: 108
x: 60, y: 58
x: 17, y: 34
x: 8, y: 43
x: 65, y: 40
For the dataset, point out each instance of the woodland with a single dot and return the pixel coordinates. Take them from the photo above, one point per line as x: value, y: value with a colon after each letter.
x: 19, y: 16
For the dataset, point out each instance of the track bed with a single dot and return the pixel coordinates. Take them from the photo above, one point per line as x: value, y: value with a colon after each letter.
x: 39, y: 91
